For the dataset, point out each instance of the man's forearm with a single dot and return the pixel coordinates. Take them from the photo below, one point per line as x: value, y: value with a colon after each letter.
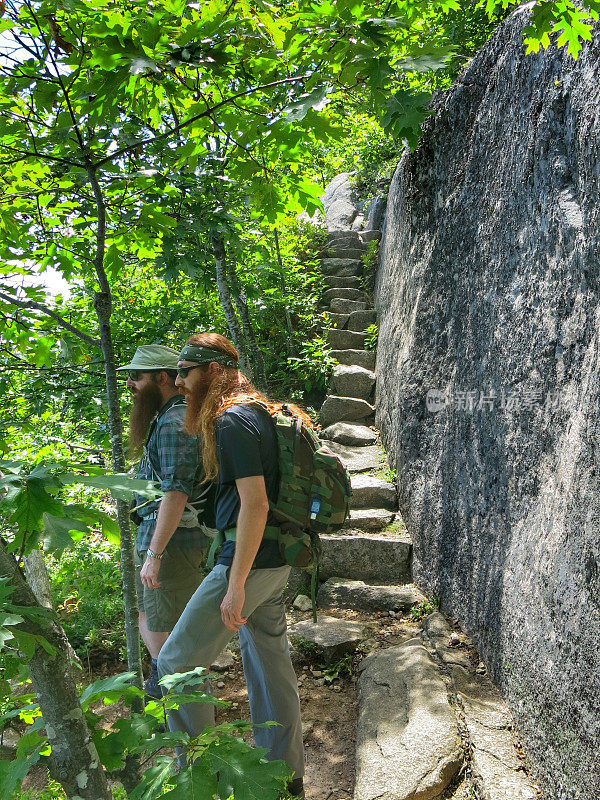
x: 169, y: 514
x: 250, y: 528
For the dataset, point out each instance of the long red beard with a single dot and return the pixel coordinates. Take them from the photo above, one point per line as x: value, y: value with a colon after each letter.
x: 195, y: 401
x: 146, y: 404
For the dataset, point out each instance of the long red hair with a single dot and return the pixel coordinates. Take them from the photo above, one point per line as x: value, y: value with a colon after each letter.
x: 230, y: 388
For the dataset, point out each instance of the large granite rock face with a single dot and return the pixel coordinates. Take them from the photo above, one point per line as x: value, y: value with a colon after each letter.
x: 488, y: 282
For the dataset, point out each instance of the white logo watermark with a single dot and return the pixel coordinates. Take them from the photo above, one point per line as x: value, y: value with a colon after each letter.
x: 477, y: 400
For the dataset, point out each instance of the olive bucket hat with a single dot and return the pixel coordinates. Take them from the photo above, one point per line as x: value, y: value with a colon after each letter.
x: 153, y: 356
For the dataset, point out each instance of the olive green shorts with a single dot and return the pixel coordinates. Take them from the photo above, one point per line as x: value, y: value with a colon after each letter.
x: 180, y: 575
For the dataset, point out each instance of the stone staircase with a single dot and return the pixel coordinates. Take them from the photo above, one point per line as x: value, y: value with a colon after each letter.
x: 372, y: 549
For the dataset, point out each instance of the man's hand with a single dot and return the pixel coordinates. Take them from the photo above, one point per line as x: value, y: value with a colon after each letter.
x: 149, y: 573
x: 231, y: 608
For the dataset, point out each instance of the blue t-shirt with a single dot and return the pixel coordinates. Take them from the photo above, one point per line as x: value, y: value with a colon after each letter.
x: 246, y: 446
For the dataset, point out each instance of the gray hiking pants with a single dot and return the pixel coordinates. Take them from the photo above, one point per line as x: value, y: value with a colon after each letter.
x: 200, y: 635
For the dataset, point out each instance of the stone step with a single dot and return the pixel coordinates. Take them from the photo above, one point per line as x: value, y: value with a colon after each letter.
x: 360, y: 596
x: 408, y: 743
x: 370, y: 557
x: 368, y: 491
x: 349, y: 236
x: 354, y: 282
x: 369, y: 236
x: 342, y: 267
x: 353, y: 381
x: 370, y: 520
x: 339, y: 321
x: 347, y: 433
x: 359, y: 459
x: 346, y: 250
x: 336, y: 408
x: 345, y: 340
x: 340, y: 305
x: 362, y: 358
x: 328, y: 639
x: 360, y: 320
x: 347, y: 293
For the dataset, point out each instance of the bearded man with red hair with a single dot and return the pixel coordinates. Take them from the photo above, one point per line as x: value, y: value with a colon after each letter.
x: 244, y: 591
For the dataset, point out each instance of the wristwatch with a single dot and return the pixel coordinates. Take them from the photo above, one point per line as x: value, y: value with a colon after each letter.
x: 152, y: 554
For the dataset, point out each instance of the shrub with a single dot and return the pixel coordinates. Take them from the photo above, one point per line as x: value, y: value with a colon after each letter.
x: 86, y: 582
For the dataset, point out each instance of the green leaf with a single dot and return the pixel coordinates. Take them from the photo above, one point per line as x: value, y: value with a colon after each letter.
x: 298, y: 110
x: 28, y: 505
x: 110, y: 690
x: 244, y: 772
x: 56, y: 535
x: 13, y: 772
x: 154, y: 778
x: 196, y: 781
x: 404, y: 114
x: 121, y: 485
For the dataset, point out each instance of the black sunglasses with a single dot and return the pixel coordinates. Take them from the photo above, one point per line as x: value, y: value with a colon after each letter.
x: 183, y: 372
x: 134, y: 374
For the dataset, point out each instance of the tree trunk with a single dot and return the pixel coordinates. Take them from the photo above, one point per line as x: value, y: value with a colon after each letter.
x: 39, y: 581
x: 218, y: 246
x: 282, y: 284
x: 103, y: 306
x: 74, y: 759
x: 241, y: 304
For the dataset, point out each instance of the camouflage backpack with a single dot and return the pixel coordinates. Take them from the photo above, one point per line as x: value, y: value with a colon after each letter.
x: 314, y: 493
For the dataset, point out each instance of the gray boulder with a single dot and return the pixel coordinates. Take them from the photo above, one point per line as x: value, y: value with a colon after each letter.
x: 362, y: 358
x: 360, y: 320
x: 408, y: 745
x: 353, y: 381
x: 340, y: 203
x: 345, y: 340
x: 328, y: 639
x: 343, y: 305
x: 360, y: 596
x: 342, y: 267
x: 375, y: 213
x: 369, y: 519
x: 368, y: 491
x: 336, y: 408
x: 358, y: 459
x: 370, y: 557
x: 347, y: 433
x: 488, y: 284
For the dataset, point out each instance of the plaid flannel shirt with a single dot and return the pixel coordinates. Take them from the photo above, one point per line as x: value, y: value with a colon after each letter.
x: 175, y: 457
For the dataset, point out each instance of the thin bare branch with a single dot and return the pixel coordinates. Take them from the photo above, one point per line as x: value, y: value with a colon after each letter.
x: 32, y: 305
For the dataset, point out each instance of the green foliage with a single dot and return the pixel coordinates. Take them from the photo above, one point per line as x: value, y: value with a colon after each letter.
x: 53, y: 791
x: 314, y: 365
x: 340, y: 669
x: 16, y: 644
x: 86, y: 583
x: 34, y: 511
x: 372, y: 332
x: 370, y: 261
x: 219, y: 761
x: 424, y: 608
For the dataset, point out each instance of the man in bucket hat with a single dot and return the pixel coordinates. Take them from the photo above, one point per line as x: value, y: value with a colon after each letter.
x: 170, y: 546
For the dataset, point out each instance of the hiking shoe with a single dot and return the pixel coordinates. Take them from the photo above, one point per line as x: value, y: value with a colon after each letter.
x: 151, y: 686
x: 295, y: 788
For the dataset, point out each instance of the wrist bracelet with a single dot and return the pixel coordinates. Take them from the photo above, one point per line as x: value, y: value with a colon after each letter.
x: 152, y: 554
